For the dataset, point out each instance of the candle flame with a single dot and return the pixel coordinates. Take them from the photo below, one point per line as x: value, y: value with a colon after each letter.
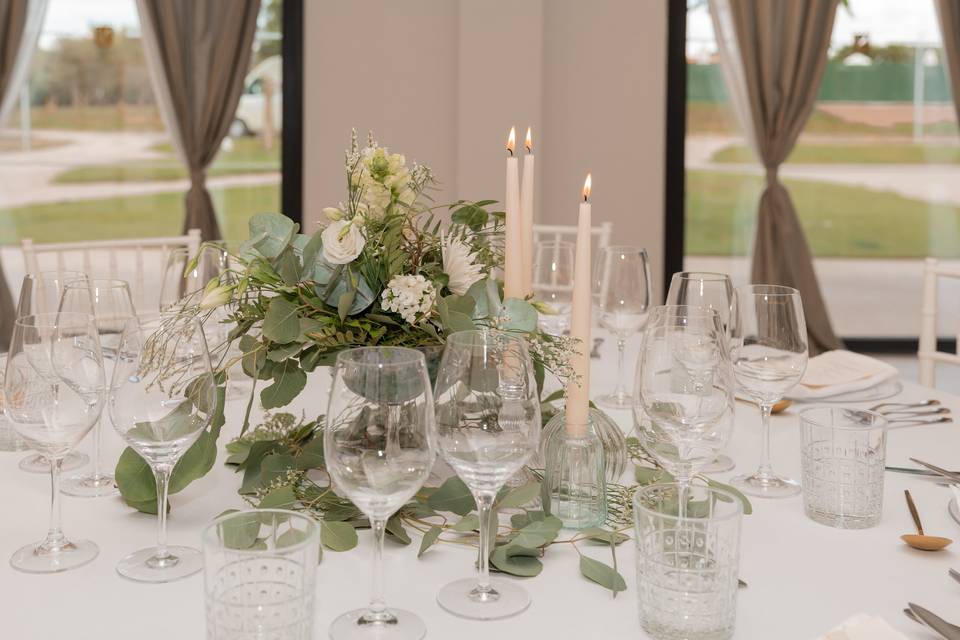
x: 586, y: 187
x: 512, y: 140
x: 529, y: 142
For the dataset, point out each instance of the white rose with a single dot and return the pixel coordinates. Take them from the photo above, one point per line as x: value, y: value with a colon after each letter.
x: 342, y: 242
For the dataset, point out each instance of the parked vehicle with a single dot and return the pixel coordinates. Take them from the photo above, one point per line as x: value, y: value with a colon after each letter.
x: 251, y: 111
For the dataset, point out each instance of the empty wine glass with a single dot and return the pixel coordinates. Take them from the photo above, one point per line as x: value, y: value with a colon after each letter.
x: 379, y: 448
x: 112, y: 308
x: 488, y: 426
x: 183, y: 276
x: 622, y: 296
x: 40, y: 293
x: 685, y: 389
x: 713, y: 291
x: 553, y: 284
x: 162, y: 398
x: 54, y: 392
x: 769, y: 358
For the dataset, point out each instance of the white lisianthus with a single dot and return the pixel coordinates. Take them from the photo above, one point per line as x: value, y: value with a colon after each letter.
x: 215, y: 295
x: 382, y: 178
x: 412, y: 297
x: 333, y: 214
x: 459, y: 265
x: 342, y: 242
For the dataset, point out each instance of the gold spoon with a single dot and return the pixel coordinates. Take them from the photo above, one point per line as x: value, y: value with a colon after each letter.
x: 921, y: 541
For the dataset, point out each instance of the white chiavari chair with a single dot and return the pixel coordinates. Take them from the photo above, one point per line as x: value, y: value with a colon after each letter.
x: 568, y: 233
x: 928, y: 355
x: 139, y: 261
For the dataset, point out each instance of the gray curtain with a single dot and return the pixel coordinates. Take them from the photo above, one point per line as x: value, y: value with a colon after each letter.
x: 774, y: 53
x: 198, y: 52
x: 948, y: 14
x: 20, y: 23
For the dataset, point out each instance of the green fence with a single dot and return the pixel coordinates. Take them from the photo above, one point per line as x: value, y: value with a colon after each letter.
x: 879, y: 82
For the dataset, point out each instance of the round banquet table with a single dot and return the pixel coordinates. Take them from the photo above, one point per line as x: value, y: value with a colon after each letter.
x: 804, y: 578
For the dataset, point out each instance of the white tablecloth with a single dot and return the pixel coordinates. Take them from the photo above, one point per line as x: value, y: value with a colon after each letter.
x: 803, y: 577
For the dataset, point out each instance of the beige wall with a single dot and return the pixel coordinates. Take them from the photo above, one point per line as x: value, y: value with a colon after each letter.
x: 443, y: 81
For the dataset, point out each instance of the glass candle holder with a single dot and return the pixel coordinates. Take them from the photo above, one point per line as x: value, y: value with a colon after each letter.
x: 843, y: 452
x: 574, y: 485
x: 609, y: 432
x: 687, y: 565
x: 260, y: 569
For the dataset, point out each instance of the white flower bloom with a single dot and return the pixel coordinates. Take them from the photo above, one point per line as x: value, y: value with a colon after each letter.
x: 342, y: 242
x: 333, y: 214
x: 215, y: 296
x: 412, y: 297
x: 459, y: 265
x: 382, y: 177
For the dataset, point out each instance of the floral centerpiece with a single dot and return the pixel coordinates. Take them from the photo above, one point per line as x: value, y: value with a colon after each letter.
x: 382, y: 271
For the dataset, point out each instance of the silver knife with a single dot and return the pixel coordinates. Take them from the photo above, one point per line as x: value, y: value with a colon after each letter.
x: 943, y: 472
x: 955, y: 574
x: 938, y: 624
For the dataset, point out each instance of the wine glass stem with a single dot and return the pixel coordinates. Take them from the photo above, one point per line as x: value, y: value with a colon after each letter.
x: 765, y: 470
x: 55, y: 537
x: 485, y: 510
x: 378, y: 604
x: 162, y: 473
x: 95, y: 454
x: 620, y: 390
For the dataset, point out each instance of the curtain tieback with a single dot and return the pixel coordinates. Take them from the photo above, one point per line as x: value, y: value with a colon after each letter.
x: 197, y: 177
x: 772, y: 175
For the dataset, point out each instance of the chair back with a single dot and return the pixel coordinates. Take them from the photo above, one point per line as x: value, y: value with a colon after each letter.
x: 568, y: 233
x: 928, y: 356
x: 139, y: 261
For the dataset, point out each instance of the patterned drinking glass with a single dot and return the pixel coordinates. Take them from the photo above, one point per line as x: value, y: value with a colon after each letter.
x: 843, y: 453
x: 260, y: 569
x: 687, y: 567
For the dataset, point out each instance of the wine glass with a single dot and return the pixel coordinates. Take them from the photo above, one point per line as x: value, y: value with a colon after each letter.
x: 40, y: 293
x: 684, y: 389
x: 379, y: 448
x: 622, y: 297
x: 488, y: 426
x: 161, y: 399
x: 112, y: 308
x: 553, y: 284
x: 713, y: 291
x: 769, y: 358
x: 54, y: 392
x: 183, y: 277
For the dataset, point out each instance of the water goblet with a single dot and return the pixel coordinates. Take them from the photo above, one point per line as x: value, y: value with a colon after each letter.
x: 684, y: 389
x: 713, y: 291
x: 162, y: 398
x: 54, y: 393
x: 40, y: 293
x: 112, y: 308
x: 769, y: 358
x: 553, y: 284
x: 487, y: 427
x: 622, y: 297
x: 379, y: 448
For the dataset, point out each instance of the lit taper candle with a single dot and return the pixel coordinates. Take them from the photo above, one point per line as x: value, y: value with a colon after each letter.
x: 526, y: 214
x: 513, y: 249
x: 578, y: 389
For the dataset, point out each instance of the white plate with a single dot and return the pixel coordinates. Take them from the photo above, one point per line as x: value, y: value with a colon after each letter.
x: 882, y: 391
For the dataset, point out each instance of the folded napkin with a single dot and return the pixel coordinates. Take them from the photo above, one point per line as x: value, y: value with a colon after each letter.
x: 864, y: 627
x: 836, y: 372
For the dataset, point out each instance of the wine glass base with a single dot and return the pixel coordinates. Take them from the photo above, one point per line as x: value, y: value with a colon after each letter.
x: 33, y: 559
x: 90, y: 486
x: 766, y: 486
x: 719, y: 464
x: 404, y: 625
x: 616, y: 401
x: 460, y: 599
x: 38, y: 463
x: 143, y: 566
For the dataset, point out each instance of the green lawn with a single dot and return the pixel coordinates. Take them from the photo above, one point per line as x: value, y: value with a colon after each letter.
x: 874, y: 153
x: 134, y: 217
x: 246, y: 156
x: 96, y: 118
x: 839, y: 220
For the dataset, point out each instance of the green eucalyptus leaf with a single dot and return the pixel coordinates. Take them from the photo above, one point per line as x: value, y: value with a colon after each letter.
x: 747, y: 507
x: 649, y: 475
x: 396, y: 530
x: 291, y: 538
x: 274, y: 466
x: 518, y: 315
x: 517, y: 560
x: 279, y: 498
x: 602, y: 574
x: 429, y: 538
x: 539, y: 533
x: 338, y: 536
x: 288, y: 381
x: 311, y: 250
x: 289, y: 268
x: 135, y: 478
x: 240, y: 532
x: 275, y: 233
x: 602, y: 535
x: 454, y: 496
x: 281, y: 352
x: 520, y: 496
x: 281, y: 324
x: 469, y: 522
x: 481, y: 305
